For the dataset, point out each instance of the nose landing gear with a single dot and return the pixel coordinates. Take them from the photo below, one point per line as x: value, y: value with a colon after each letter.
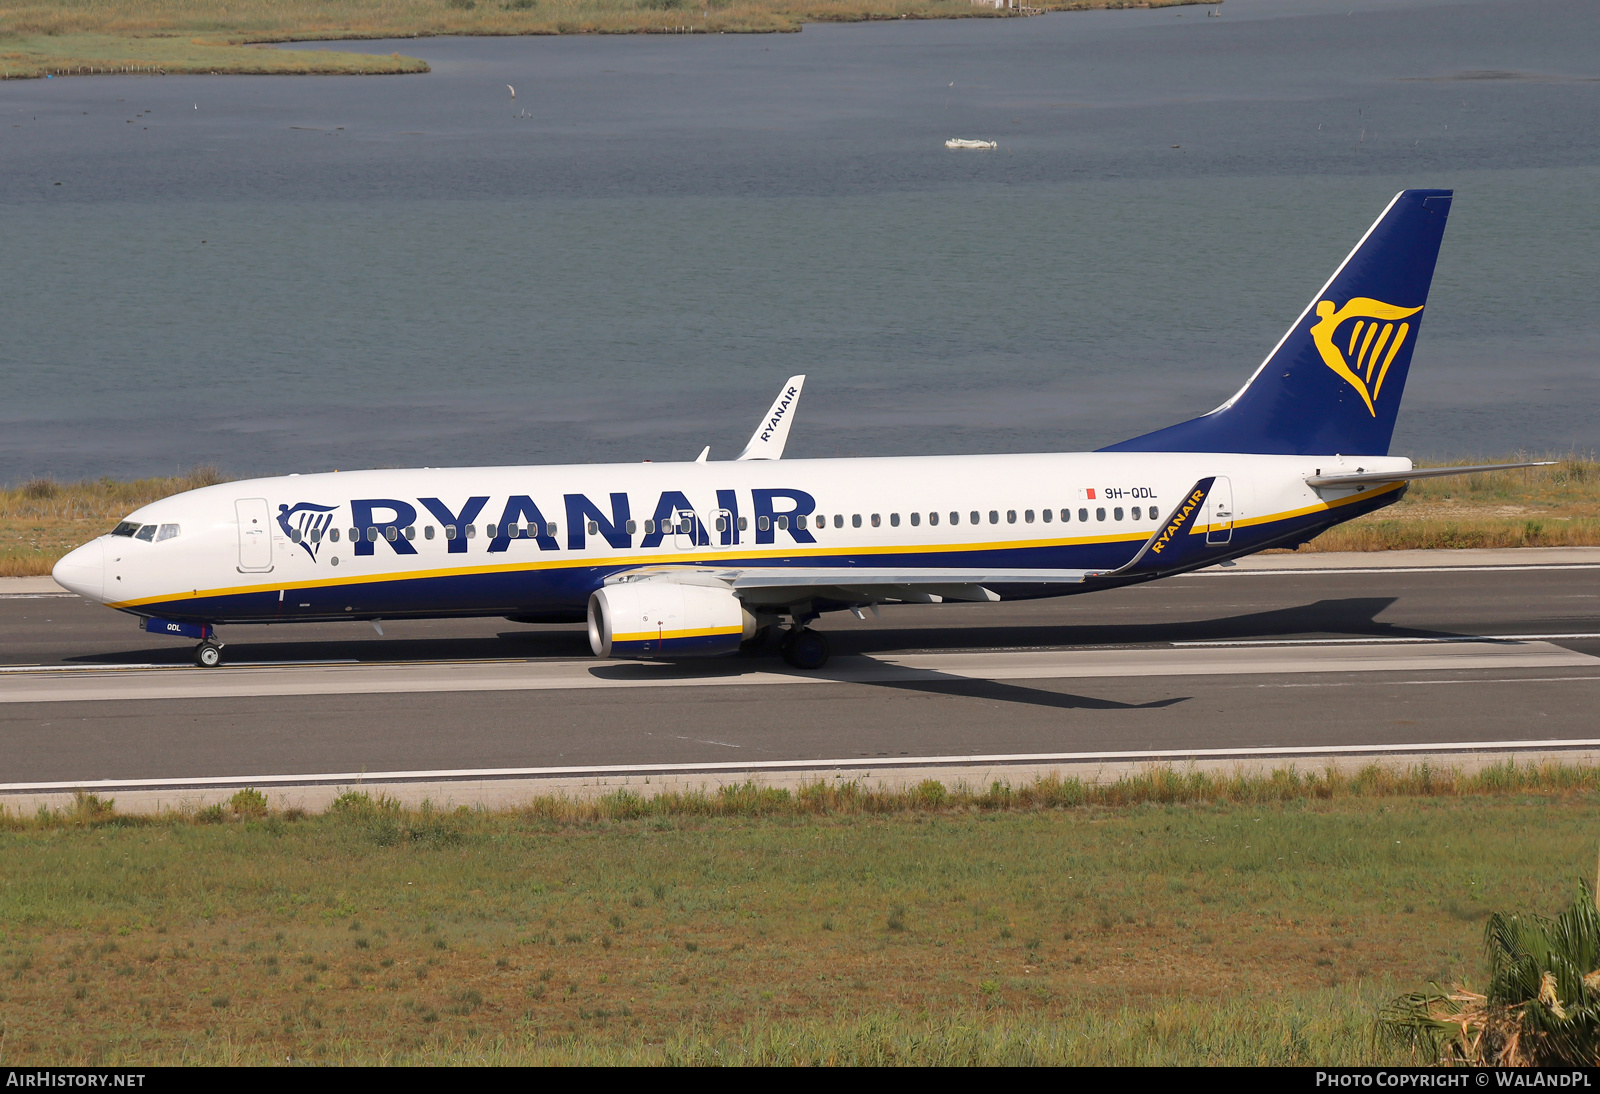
x: 208, y: 654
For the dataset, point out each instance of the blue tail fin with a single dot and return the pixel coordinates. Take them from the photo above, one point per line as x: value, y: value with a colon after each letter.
x: 1333, y: 384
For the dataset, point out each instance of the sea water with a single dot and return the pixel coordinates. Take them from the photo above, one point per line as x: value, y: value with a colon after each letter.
x: 624, y: 261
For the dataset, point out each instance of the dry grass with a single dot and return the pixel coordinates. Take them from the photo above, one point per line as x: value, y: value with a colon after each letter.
x: 41, y: 520
x: 1555, y: 506
x: 1168, y: 919
x: 84, y: 37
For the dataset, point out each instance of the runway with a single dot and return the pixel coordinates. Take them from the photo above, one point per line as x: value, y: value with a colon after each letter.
x: 1271, y: 661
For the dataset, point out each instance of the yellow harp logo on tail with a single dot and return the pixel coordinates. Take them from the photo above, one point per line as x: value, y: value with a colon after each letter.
x: 1360, y: 341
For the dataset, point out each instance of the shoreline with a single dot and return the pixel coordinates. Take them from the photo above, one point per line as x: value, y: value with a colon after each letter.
x: 61, y: 41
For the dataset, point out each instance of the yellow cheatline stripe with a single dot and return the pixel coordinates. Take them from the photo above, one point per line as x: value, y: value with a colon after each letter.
x: 1321, y: 507
x: 726, y: 556
x: 652, y: 636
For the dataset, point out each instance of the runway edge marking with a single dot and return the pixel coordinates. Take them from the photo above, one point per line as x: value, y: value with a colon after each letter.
x: 460, y: 774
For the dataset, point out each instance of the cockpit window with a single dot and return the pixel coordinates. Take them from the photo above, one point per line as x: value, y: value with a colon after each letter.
x: 147, y: 533
x: 168, y: 531
x: 126, y: 528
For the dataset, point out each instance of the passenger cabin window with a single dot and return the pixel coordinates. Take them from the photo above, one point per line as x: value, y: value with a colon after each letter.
x: 472, y: 530
x: 933, y: 518
x: 372, y: 534
x: 876, y: 520
x: 1135, y: 512
x: 762, y: 524
x: 838, y: 520
x: 800, y: 522
x: 744, y: 524
x: 594, y: 529
x: 449, y: 532
x: 955, y: 518
x: 1083, y: 515
x: 126, y: 528
x: 333, y: 535
x: 1047, y: 514
x: 1117, y: 513
x: 391, y: 533
x: 411, y: 531
x: 632, y: 527
x: 1099, y: 514
x: 855, y: 520
x: 427, y: 533
x: 1027, y: 516
x: 1066, y: 516
x: 894, y: 520
x: 994, y: 516
x: 1011, y: 516
x: 294, y: 535
x: 146, y: 533
x: 783, y: 524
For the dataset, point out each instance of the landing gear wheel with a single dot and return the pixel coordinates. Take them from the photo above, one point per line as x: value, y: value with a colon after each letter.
x: 806, y: 649
x: 208, y: 655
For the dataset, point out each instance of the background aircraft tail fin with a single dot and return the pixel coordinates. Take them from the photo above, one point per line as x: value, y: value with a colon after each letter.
x: 1334, y: 381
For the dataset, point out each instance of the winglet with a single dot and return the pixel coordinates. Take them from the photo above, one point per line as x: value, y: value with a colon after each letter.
x: 767, y: 442
x: 1169, y: 546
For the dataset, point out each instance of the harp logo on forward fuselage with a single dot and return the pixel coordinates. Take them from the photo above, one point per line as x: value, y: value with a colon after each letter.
x: 1360, y: 341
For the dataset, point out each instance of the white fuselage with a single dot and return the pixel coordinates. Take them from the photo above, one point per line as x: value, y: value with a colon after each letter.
x: 538, y: 541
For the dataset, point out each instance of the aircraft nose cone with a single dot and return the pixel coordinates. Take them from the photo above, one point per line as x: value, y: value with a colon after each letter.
x: 84, y: 571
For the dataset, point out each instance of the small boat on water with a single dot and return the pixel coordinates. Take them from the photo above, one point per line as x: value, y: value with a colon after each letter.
x: 960, y: 142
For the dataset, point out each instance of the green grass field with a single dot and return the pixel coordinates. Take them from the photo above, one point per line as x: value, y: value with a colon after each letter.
x: 90, y: 37
x: 1167, y: 919
x: 1555, y: 506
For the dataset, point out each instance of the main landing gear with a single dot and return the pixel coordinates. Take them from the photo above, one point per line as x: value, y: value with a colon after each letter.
x: 208, y: 654
x: 805, y: 649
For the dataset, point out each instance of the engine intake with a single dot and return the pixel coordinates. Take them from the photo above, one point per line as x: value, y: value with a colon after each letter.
x: 664, y: 619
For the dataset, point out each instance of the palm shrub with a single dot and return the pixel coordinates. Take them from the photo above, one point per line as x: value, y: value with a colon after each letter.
x: 1542, y: 1006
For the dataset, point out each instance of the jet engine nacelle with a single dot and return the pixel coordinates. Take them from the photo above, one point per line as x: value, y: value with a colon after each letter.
x: 651, y: 619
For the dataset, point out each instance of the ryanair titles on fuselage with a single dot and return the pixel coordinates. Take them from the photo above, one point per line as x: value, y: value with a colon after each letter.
x: 394, y: 520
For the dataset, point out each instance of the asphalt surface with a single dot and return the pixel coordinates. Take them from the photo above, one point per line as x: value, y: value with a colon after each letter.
x: 1199, y: 665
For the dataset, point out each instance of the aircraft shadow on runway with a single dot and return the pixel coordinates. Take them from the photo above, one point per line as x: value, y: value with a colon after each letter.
x: 873, y: 673
x: 1349, y: 617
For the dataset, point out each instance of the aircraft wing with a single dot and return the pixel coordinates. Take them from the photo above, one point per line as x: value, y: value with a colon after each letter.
x: 767, y: 442
x: 1365, y: 478
x: 782, y: 585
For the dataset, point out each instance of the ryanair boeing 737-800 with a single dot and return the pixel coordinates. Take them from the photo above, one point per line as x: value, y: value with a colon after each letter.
x: 696, y: 559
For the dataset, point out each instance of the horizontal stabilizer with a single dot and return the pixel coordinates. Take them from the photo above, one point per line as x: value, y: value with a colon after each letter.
x: 767, y: 442
x: 1367, y: 478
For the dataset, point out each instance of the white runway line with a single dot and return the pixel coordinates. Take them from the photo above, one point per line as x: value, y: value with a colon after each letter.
x: 352, y: 778
x: 80, y: 685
